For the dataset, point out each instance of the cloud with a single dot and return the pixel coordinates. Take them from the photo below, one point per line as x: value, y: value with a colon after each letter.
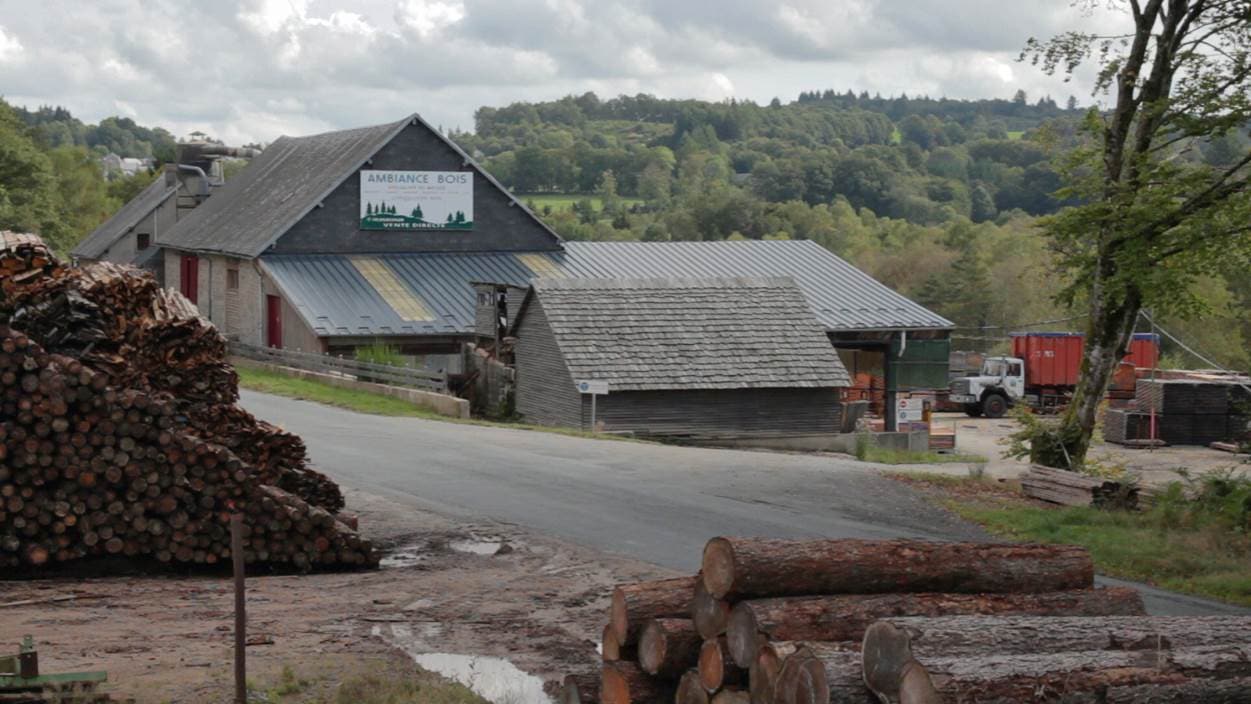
x: 10, y: 47
x: 256, y: 69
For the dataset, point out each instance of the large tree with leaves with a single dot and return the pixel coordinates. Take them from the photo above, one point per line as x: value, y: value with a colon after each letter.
x: 1153, y: 215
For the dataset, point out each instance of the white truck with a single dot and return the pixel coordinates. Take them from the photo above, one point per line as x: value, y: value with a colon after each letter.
x: 999, y: 386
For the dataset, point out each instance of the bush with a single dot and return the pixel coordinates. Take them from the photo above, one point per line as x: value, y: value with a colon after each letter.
x: 380, y: 353
x: 1218, y: 501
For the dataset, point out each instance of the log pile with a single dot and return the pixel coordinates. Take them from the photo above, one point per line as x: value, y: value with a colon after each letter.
x: 119, y: 434
x: 783, y: 621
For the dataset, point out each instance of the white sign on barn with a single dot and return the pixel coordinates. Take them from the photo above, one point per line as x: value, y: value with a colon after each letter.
x: 416, y: 200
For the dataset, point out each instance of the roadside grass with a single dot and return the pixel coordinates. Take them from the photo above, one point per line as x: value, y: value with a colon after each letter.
x: 277, y: 384
x: 365, y: 682
x: 1179, y: 544
x: 886, y: 455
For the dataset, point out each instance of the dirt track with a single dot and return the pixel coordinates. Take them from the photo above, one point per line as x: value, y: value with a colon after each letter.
x: 536, y: 601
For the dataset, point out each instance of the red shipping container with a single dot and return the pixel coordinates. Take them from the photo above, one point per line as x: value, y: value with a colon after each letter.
x: 1054, y: 359
x: 1051, y: 358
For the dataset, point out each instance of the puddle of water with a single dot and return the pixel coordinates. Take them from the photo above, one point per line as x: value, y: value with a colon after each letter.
x: 406, y: 556
x: 494, y: 679
x: 476, y: 546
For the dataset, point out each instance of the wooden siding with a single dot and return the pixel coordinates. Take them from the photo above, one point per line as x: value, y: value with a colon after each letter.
x: 717, y: 412
x: 545, y: 391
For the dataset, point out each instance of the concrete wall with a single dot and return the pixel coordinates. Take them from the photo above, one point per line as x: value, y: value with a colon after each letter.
x: 240, y: 313
x: 498, y: 226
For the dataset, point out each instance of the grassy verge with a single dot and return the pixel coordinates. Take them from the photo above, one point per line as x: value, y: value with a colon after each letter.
x: 363, y: 683
x: 277, y: 384
x: 886, y: 455
x: 1182, y: 544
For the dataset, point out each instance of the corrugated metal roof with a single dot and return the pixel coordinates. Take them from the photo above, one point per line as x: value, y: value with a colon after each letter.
x: 94, y: 245
x: 337, y: 300
x: 706, y: 333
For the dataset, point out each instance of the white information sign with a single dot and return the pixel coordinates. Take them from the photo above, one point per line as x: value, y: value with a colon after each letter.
x: 416, y: 200
x: 909, y: 411
x: 596, y: 388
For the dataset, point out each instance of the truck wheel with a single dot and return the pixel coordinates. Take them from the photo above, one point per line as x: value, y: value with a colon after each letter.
x: 973, y: 410
x: 994, y: 406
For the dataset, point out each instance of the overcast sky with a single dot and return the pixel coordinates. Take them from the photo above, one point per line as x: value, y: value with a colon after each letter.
x: 256, y: 69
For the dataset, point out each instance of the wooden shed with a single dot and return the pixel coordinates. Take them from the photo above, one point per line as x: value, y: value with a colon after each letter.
x: 704, y: 357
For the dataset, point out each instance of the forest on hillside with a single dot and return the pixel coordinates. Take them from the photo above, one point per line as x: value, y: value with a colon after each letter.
x: 938, y: 198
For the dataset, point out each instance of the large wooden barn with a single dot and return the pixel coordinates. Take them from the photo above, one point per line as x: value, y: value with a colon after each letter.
x: 334, y: 241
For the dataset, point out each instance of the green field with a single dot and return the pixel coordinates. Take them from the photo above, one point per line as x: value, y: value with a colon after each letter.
x: 559, y: 201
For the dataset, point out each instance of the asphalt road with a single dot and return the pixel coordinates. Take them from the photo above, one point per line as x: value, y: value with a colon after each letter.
x: 657, y: 503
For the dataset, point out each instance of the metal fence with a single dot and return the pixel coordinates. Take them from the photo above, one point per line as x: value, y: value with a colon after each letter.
x: 327, y: 364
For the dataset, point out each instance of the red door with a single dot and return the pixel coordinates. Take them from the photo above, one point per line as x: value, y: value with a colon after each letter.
x: 273, y: 321
x: 189, y: 277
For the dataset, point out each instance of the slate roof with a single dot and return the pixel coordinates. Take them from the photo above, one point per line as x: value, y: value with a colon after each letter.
x: 94, y: 245
x: 335, y: 299
x: 284, y: 183
x: 718, y: 333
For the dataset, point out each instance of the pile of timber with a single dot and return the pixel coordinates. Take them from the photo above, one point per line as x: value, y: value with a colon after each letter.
x: 119, y: 433
x: 785, y: 622
x: 1059, y: 486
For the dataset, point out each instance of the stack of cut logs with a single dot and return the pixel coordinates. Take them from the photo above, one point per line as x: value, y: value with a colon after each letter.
x: 813, y: 622
x: 119, y: 432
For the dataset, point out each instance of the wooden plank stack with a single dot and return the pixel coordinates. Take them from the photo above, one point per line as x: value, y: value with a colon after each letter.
x: 1059, y: 486
x: 121, y: 436
x: 783, y: 621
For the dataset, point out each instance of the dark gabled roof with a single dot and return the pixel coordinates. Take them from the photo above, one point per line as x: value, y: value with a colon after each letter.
x: 718, y: 333
x: 290, y: 178
x: 94, y: 245
x: 336, y: 298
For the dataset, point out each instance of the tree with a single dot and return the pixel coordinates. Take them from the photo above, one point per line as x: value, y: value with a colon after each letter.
x: 1149, y: 223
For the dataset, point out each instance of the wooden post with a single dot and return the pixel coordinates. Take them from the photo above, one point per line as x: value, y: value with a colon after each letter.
x: 241, y: 618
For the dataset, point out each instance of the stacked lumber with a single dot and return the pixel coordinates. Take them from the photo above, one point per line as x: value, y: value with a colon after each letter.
x: 119, y: 433
x: 782, y: 621
x: 1059, y: 486
x: 1192, y: 411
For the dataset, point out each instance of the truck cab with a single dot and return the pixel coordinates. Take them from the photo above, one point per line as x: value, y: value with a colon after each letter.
x: 991, y: 393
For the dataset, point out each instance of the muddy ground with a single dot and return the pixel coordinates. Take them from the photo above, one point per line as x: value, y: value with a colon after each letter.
x: 458, y: 589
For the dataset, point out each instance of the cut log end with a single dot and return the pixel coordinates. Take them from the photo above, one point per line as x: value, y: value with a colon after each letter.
x: 690, y: 691
x: 743, y: 635
x: 764, y: 670
x: 668, y: 646
x: 886, y: 653
x: 624, y: 683
x: 710, y: 614
x: 718, y: 567
x: 716, y: 669
x: 580, y: 689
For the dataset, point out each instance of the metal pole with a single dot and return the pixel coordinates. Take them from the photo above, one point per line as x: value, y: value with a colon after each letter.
x: 241, y: 618
x: 593, y: 397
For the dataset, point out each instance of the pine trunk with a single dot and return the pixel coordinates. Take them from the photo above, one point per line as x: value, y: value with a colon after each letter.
x: 1072, y: 677
x: 690, y: 691
x: 634, y: 604
x: 611, y: 651
x: 760, y: 567
x: 580, y: 688
x: 1200, y: 691
x: 845, y: 617
x: 953, y: 636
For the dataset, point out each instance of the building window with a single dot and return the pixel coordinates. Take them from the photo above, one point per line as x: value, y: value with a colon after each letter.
x: 142, y: 241
x: 232, y: 279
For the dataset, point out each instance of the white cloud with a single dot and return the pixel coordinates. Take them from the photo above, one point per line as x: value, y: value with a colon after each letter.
x: 260, y: 68
x: 429, y: 17
x: 10, y: 47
